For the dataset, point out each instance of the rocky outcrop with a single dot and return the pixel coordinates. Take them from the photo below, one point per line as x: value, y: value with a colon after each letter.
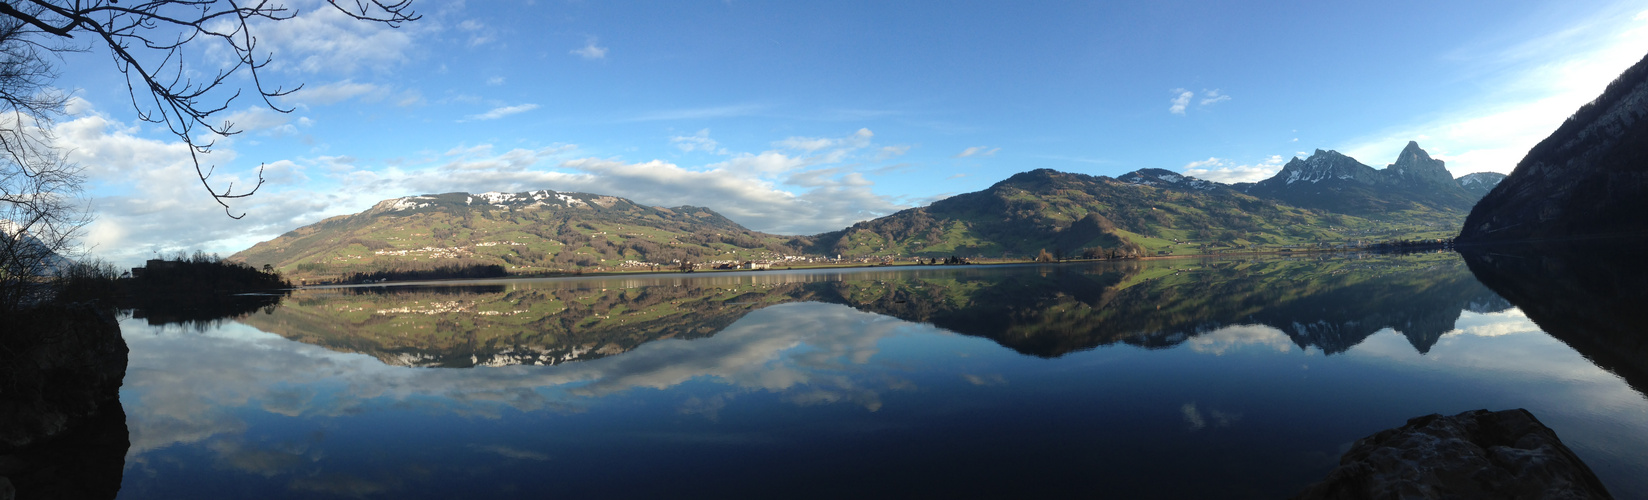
x: 62, y: 430
x: 1415, y: 167
x: 1476, y: 454
x: 1588, y: 179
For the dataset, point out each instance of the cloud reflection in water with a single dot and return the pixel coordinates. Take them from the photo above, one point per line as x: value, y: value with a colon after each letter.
x: 189, y: 387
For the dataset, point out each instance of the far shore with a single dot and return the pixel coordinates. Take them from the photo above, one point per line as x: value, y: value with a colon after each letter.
x: 986, y: 262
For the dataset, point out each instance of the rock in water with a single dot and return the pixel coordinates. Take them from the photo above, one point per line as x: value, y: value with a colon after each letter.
x: 1588, y: 179
x: 1476, y: 454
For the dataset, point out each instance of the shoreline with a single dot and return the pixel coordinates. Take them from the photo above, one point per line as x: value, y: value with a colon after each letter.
x: 992, y: 263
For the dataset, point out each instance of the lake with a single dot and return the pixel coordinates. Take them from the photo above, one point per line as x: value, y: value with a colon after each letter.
x: 1228, y: 378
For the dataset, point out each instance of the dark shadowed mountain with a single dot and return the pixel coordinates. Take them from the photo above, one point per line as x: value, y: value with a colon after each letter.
x: 1588, y: 179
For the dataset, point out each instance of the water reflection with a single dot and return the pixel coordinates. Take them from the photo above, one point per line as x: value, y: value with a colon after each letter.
x: 198, y: 311
x: 1253, y: 373
x: 1588, y: 295
x: 1046, y: 311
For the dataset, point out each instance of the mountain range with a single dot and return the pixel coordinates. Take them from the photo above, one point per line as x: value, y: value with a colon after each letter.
x: 1325, y: 200
x: 1331, y: 181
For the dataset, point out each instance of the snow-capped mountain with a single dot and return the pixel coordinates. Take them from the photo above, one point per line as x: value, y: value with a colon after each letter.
x: 1168, y: 179
x: 1480, y: 183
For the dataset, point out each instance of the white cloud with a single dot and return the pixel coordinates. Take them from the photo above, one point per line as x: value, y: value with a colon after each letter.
x: 148, y: 199
x: 325, y: 40
x: 1211, y: 97
x: 409, y: 97
x: 892, y: 151
x: 1230, y: 172
x: 1542, y: 81
x: 259, y: 118
x: 590, y: 50
x: 700, y: 141
x: 700, y: 113
x: 1181, y: 99
x: 502, y: 111
x: 857, y: 140
x: 496, y: 80
x: 744, y: 186
x: 336, y: 92
x: 77, y: 106
x: 977, y: 151
x: 808, y: 144
x: 479, y: 34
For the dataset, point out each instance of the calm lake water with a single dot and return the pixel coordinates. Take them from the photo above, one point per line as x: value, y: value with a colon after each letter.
x: 1165, y: 379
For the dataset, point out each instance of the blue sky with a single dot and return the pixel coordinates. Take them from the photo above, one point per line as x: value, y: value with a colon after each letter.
x: 799, y: 118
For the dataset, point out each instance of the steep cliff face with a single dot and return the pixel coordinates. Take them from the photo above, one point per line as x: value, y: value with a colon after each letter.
x: 1588, y: 179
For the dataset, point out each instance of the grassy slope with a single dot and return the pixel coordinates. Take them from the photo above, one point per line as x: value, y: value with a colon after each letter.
x: 1045, y: 209
x: 522, y: 239
x: 1018, y: 217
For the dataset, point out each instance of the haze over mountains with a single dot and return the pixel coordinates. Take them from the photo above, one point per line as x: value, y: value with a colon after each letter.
x: 1326, y: 199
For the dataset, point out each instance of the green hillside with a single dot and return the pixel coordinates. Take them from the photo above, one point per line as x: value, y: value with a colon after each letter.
x: 525, y: 233
x: 1058, y: 211
x: 545, y: 232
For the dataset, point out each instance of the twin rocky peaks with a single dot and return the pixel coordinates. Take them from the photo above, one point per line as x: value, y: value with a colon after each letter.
x: 1332, y: 181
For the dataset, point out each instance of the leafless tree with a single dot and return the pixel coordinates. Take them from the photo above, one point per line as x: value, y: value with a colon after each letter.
x: 38, y: 189
x: 152, y: 43
x: 156, y: 44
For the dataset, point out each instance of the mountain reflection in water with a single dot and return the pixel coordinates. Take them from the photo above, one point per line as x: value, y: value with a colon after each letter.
x: 1230, y: 378
x: 1045, y: 311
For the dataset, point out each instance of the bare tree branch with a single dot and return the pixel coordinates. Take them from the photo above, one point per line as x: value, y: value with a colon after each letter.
x: 147, y: 41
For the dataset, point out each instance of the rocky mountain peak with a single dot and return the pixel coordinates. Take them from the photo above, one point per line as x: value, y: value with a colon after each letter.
x: 1413, y: 150
x: 1323, y: 165
x: 1415, y: 165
